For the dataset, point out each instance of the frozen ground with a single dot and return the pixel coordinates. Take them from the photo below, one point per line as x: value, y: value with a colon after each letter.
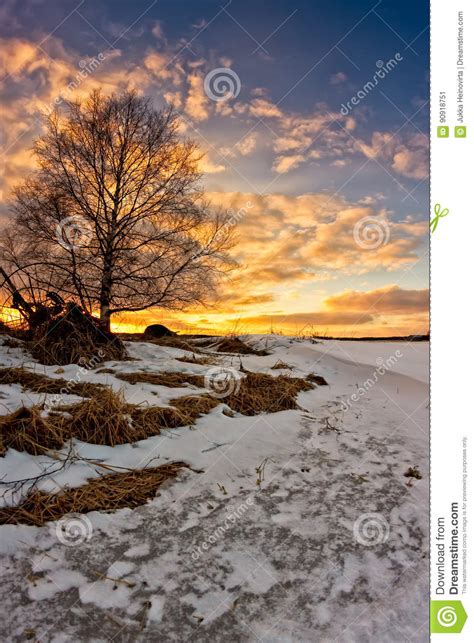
x: 301, y: 526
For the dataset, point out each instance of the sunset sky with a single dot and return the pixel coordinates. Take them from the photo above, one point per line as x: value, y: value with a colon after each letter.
x: 303, y: 179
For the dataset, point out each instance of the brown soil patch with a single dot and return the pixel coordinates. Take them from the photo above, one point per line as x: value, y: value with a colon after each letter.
x: 317, y: 379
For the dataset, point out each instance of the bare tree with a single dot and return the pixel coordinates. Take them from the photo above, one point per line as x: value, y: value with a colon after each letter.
x: 115, y: 217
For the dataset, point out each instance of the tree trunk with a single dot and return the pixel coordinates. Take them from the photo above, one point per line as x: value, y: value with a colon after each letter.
x: 105, y: 316
x: 106, y: 289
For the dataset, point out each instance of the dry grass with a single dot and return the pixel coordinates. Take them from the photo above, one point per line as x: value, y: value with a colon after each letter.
x: 9, y: 342
x: 279, y: 365
x: 173, y: 342
x: 42, y: 384
x: 203, y: 361
x: 317, y: 379
x: 172, y: 380
x: 26, y: 430
x: 106, y: 418
x: 192, y: 406
x: 236, y: 345
x: 103, y: 419
x: 261, y: 393
x: 107, y: 493
x: 74, y: 337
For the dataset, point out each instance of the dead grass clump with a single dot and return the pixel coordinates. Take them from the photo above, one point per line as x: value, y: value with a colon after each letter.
x: 261, y: 393
x: 317, y: 379
x: 42, y: 384
x: 236, y: 345
x: 26, y: 430
x: 183, y: 412
x: 192, y: 406
x: 74, y: 338
x: 9, y: 342
x: 103, y: 419
x: 172, y: 380
x: 173, y: 342
x: 203, y: 361
x: 108, y: 419
x: 279, y: 365
x: 107, y: 493
x: 150, y: 420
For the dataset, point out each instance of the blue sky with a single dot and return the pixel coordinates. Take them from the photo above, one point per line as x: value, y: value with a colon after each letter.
x: 280, y: 142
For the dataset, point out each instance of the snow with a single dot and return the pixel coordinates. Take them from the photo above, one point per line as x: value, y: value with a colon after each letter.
x: 331, y: 545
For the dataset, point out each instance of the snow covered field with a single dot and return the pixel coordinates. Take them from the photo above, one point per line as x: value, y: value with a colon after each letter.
x: 301, y: 525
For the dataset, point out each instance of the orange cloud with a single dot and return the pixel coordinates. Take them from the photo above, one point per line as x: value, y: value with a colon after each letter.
x: 390, y: 299
x: 303, y: 237
x: 197, y: 104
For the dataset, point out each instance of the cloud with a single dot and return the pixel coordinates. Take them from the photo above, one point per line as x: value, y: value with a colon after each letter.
x: 284, y: 239
x: 157, y: 30
x: 284, y: 164
x: 247, y: 145
x: 407, y: 157
x: 387, y: 300
x: 207, y: 165
x: 244, y: 147
x: 263, y: 108
x: 197, y: 104
x: 338, y: 79
x: 308, y: 319
x: 411, y: 163
x: 159, y: 65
